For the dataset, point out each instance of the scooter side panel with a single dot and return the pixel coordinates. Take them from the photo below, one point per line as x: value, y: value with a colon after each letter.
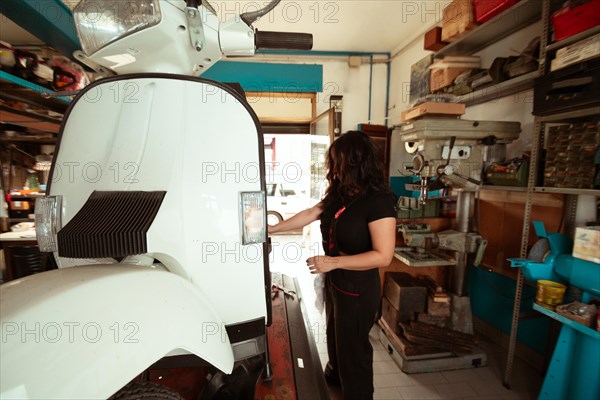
x: 197, y: 142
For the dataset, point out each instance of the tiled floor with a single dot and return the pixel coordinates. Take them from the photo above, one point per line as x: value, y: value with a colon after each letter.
x: 289, y: 257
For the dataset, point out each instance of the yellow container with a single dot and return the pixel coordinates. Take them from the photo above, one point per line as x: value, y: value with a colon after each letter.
x: 549, y: 294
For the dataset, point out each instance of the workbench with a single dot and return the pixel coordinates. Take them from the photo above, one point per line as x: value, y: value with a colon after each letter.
x: 295, y: 364
x: 8, y: 240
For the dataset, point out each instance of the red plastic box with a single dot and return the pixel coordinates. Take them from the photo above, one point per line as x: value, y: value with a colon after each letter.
x: 487, y: 9
x: 577, y: 16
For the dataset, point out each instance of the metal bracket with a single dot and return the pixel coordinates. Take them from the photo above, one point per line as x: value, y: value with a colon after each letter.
x: 84, y: 59
x: 480, y: 250
x: 195, y: 28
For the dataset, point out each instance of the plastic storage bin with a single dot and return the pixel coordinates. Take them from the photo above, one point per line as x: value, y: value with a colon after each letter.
x: 488, y: 9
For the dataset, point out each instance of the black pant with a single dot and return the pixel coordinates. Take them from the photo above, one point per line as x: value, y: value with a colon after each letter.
x: 351, y: 309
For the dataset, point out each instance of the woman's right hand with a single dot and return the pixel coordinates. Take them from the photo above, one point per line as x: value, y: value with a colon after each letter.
x: 299, y: 220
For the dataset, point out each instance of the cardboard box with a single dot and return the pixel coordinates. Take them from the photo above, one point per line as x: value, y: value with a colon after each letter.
x: 587, y: 243
x: 457, y: 18
x: 433, y: 39
x: 429, y: 108
x: 583, y: 50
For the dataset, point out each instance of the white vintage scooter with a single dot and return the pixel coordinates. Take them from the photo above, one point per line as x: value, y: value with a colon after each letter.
x: 159, y: 236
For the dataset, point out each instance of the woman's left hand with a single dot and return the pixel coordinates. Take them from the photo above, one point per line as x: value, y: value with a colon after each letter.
x: 319, y: 264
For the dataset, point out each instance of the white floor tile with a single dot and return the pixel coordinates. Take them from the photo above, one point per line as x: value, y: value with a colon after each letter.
x: 487, y: 373
x: 380, y: 355
x: 489, y: 388
x: 419, y: 392
x: 430, y: 378
x: 385, y: 367
x: 386, y: 394
x: 455, y: 390
x: 391, y: 380
x: 461, y: 375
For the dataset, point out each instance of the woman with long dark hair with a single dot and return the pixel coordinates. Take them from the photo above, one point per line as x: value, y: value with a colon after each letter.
x: 358, y: 225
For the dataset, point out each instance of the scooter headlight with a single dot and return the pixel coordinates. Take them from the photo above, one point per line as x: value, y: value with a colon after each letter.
x: 100, y: 22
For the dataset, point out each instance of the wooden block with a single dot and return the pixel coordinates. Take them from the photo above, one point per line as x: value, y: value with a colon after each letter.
x: 437, y: 308
x: 443, y: 77
x: 432, y: 40
x: 457, y: 18
x: 431, y: 108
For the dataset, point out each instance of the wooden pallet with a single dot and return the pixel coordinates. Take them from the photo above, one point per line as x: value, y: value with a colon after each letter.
x: 430, y: 335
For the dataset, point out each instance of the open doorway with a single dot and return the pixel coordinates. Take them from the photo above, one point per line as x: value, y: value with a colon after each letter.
x: 295, y: 141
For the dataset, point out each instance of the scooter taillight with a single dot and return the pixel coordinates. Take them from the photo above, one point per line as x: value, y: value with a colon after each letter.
x: 48, y: 222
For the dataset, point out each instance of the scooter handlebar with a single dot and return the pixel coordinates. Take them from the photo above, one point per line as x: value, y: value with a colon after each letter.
x: 283, y: 40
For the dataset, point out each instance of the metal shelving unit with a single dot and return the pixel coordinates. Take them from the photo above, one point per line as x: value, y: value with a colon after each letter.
x: 501, y: 89
x: 537, y: 146
x: 573, y: 39
x: 571, y: 115
x: 41, y: 117
x: 518, y: 16
x: 504, y: 188
x: 541, y: 189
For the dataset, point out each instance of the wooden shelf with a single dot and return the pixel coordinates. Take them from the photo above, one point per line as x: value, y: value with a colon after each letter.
x: 30, y: 120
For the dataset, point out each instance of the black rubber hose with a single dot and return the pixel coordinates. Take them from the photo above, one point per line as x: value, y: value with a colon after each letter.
x: 283, y: 40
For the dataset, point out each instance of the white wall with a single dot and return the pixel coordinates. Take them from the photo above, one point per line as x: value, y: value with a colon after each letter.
x: 353, y: 84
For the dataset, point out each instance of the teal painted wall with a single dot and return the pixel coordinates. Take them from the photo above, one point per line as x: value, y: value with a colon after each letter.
x: 492, y: 300
x: 269, y: 77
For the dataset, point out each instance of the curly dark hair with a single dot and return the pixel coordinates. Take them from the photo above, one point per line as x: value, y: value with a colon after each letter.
x: 352, y: 168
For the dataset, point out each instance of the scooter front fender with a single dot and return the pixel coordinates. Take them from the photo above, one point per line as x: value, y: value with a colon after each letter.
x: 84, y: 332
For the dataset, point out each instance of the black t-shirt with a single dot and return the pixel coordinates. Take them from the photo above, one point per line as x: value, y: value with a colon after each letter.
x: 351, y: 230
